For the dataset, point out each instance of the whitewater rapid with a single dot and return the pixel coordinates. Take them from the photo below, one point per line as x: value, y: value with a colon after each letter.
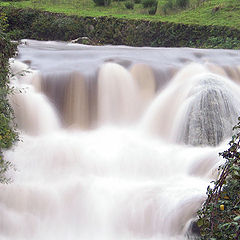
x: 115, y: 142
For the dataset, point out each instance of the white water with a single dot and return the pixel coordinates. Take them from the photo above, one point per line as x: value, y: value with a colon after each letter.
x: 103, y: 153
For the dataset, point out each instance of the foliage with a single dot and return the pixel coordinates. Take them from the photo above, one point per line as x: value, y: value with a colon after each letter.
x: 218, y: 42
x: 11, y: 0
x: 102, y: 2
x: 153, y: 10
x: 8, y: 134
x: 199, y: 11
x: 129, y: 5
x: 36, y: 24
x: 175, y: 5
x: 168, y: 5
x: 149, y: 3
x: 3, y: 22
x: 220, y: 216
x: 137, y: 1
x: 182, y: 3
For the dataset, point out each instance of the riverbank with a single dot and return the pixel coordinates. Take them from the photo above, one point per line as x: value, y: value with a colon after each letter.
x: 201, y: 12
x: 42, y: 25
x: 8, y: 134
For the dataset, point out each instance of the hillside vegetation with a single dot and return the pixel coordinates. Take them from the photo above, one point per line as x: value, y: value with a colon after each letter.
x: 8, y: 134
x: 202, y: 12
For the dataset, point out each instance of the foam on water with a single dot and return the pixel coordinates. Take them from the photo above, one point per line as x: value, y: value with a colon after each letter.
x: 110, y: 155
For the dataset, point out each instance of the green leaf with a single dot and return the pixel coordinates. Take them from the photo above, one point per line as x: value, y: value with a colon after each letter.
x: 200, y: 222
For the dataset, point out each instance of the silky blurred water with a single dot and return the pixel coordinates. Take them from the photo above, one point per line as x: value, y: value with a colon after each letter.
x: 116, y: 142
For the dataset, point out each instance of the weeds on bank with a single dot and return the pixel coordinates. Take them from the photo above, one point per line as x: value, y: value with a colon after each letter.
x: 220, y: 216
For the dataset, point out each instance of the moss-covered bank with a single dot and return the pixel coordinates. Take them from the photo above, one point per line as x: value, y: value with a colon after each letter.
x: 8, y: 134
x: 36, y: 24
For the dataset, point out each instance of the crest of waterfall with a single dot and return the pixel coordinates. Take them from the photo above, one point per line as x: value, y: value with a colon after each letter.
x: 115, y: 152
x: 117, y: 95
x: 145, y: 79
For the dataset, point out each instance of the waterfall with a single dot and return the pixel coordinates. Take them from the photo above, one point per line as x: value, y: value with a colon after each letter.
x: 117, y: 94
x: 115, y: 142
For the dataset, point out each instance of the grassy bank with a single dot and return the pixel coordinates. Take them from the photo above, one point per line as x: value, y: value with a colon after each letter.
x: 42, y: 25
x: 202, y: 12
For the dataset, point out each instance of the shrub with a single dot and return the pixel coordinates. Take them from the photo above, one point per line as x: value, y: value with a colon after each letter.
x: 152, y: 10
x: 182, y: 3
x: 137, y: 1
x: 222, y: 42
x: 129, y: 5
x: 220, y: 216
x: 167, y: 5
x: 16, y: 34
x: 36, y: 24
x: 102, y: 2
x: 11, y: 0
x: 149, y: 3
x: 7, y: 133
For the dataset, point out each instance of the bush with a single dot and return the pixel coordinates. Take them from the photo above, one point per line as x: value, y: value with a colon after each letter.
x: 102, y: 2
x: 222, y: 42
x: 220, y: 216
x: 36, y: 24
x: 167, y: 5
x: 16, y: 34
x: 137, y: 1
x: 129, y: 5
x: 7, y: 133
x: 149, y: 3
x: 11, y: 0
x: 182, y: 3
x: 152, y: 10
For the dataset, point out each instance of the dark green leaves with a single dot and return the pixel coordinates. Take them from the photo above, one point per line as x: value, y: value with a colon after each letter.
x: 220, y: 216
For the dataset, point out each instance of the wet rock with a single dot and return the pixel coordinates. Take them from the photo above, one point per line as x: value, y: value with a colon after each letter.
x: 83, y: 40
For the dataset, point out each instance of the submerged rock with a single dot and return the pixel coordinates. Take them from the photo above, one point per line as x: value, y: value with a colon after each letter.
x: 84, y: 40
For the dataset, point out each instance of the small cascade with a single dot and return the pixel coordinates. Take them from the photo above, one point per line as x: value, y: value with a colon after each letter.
x: 76, y: 104
x: 209, y: 112
x: 34, y: 113
x: 54, y: 86
x: 233, y: 72
x: 116, y: 142
x: 144, y: 76
x: 213, y: 68
x: 160, y: 116
x: 25, y: 102
x: 118, y: 96
x: 204, y: 107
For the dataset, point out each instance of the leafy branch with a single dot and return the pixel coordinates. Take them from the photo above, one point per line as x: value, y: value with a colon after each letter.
x: 219, y: 217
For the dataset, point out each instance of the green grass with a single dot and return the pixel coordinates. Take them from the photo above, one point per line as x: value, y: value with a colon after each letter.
x: 197, y: 13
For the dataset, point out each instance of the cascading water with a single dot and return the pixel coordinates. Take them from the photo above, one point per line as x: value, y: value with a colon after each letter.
x: 112, y: 146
